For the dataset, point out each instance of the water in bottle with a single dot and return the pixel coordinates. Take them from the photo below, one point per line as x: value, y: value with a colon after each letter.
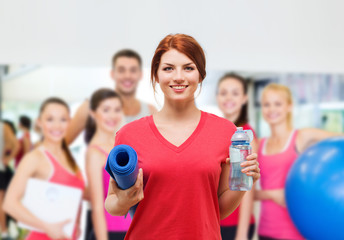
x: 239, y: 150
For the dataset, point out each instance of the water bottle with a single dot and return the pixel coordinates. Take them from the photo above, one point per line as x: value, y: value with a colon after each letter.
x: 239, y: 150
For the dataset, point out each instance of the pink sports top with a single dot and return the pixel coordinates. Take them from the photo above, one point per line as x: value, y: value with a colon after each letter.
x: 275, y: 221
x: 113, y: 223
x: 65, y: 177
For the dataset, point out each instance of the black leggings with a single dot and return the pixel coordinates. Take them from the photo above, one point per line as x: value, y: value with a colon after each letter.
x: 269, y: 238
x: 111, y: 236
x: 89, y: 225
x: 228, y: 233
x: 89, y: 231
x: 5, y: 178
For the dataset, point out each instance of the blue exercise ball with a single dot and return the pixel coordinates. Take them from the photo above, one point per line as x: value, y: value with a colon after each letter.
x: 315, y: 191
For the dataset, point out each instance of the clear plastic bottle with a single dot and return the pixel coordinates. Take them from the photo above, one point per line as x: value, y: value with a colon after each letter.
x: 239, y: 150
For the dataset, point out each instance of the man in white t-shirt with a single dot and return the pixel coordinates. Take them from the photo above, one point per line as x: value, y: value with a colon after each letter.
x: 126, y: 72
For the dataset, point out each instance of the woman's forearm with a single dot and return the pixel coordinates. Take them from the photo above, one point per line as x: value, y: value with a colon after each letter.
x: 229, y: 201
x: 78, y: 122
x: 260, y: 195
x: 22, y: 214
x: 276, y: 195
x: 113, y: 206
x: 99, y: 222
x: 246, y: 209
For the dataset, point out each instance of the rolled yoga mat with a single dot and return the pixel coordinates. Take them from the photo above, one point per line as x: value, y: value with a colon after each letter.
x: 122, y: 167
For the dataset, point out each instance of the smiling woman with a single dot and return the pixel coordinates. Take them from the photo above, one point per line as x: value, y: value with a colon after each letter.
x: 182, y: 154
x: 277, y: 153
x: 52, y: 162
x: 106, y: 117
x: 179, y: 44
x: 232, y: 100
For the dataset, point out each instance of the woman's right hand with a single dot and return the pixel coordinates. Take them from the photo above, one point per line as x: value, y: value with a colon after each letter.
x: 56, y: 230
x: 131, y: 196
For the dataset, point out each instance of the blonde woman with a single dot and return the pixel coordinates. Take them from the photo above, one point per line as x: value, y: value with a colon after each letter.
x: 276, y: 155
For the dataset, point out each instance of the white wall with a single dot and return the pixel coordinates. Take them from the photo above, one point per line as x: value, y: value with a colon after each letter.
x: 73, y: 84
x: 265, y: 35
x: 70, y: 83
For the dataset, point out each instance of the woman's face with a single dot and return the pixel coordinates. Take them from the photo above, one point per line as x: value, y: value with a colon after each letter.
x: 231, y: 96
x: 109, y: 115
x: 275, y: 107
x: 54, y: 121
x: 178, y: 76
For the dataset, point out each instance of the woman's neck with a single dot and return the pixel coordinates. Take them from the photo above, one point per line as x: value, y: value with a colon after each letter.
x: 102, y: 137
x: 178, y: 110
x: 280, y: 130
x: 54, y: 148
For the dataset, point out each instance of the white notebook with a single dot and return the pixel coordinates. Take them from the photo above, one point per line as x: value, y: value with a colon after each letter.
x: 52, y: 203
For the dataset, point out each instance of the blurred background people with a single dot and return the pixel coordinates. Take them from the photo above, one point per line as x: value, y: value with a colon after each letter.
x: 106, y: 116
x: 126, y: 71
x: 9, y: 148
x: 232, y: 100
x: 291, y: 46
x: 52, y: 162
x: 25, y: 144
x: 276, y: 155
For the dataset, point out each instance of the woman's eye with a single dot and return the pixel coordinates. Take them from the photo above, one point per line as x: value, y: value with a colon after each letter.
x: 189, y: 68
x: 167, y: 69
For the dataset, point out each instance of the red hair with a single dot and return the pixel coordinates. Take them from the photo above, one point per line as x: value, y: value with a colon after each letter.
x: 182, y: 43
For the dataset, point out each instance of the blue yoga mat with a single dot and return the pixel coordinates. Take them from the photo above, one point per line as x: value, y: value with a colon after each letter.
x: 122, y: 167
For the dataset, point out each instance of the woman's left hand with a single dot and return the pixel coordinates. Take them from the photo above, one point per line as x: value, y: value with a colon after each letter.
x: 251, y: 167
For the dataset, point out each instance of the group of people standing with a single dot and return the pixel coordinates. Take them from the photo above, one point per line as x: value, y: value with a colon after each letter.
x: 182, y: 186
x: 11, y: 148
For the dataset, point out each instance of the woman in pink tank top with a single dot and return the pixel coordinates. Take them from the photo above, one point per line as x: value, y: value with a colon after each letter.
x: 276, y: 155
x: 232, y: 100
x: 52, y: 162
x: 106, y: 118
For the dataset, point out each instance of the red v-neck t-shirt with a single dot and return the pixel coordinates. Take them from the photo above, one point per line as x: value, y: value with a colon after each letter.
x: 180, y: 183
